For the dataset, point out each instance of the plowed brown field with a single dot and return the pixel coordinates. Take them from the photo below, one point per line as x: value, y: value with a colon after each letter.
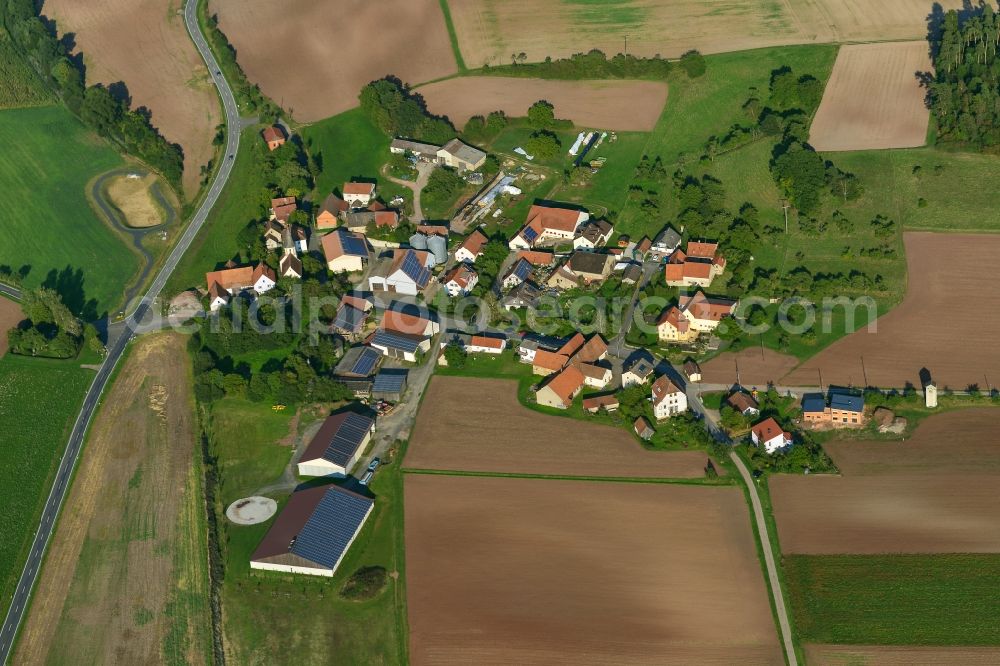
x: 10, y: 316
x: 145, y: 44
x: 489, y: 31
x: 613, y: 105
x: 125, y: 580
x: 533, y: 571
x: 477, y: 425
x: 756, y: 366
x: 947, y: 323
x: 313, y: 58
x: 934, y: 493
x: 892, y: 655
x: 873, y: 99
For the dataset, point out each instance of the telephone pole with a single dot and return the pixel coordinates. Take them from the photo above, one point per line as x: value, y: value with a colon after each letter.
x: 785, y: 206
x: 626, y: 47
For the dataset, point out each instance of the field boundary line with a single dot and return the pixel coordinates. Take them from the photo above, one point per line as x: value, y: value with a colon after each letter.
x: 720, y: 481
x: 452, y: 36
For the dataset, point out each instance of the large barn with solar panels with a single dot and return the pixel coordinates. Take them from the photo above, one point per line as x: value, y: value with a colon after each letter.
x: 313, y: 532
x: 337, y: 446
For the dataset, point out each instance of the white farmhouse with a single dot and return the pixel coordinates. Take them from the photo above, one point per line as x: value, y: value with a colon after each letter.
x: 668, y: 399
x: 770, y: 436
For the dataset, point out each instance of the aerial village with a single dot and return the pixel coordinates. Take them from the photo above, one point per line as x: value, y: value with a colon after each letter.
x: 391, y: 333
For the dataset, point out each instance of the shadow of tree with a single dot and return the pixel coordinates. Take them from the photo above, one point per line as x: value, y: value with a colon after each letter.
x: 69, y: 284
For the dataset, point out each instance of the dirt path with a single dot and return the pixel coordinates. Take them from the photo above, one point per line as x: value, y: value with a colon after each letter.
x: 126, y: 568
x: 424, y: 170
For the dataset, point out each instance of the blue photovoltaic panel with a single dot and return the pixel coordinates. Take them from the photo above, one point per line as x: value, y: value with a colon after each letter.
x: 347, y: 439
x: 395, y: 341
x: 414, y: 269
x: 348, y: 318
x: 329, y: 530
x: 353, y: 245
x: 366, y: 362
x: 411, y: 265
x: 389, y: 381
x: 529, y: 234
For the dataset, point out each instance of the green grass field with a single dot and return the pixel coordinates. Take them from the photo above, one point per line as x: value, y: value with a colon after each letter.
x: 39, y: 399
x: 348, y: 147
x: 48, y: 158
x: 244, y: 437
x: 22, y: 87
x: 896, y: 599
x: 216, y: 241
x: 268, y: 614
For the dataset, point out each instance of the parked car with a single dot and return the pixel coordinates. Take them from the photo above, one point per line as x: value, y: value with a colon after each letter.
x: 374, y: 465
x: 367, y: 477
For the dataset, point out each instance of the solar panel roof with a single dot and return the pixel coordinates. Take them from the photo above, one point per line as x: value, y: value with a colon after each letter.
x: 399, y: 341
x: 347, y: 438
x: 365, y: 362
x: 353, y: 245
x: 529, y: 234
x: 332, y: 525
x: 348, y: 318
x: 414, y: 269
x: 389, y: 381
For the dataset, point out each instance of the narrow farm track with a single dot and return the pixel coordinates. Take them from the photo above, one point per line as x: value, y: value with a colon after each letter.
x: 772, y: 569
x: 118, y: 340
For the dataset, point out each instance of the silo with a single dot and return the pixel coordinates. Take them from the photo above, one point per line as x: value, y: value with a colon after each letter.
x: 438, y: 245
x: 418, y: 241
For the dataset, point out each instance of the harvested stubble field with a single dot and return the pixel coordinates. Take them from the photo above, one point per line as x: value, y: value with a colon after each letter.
x: 613, y: 105
x: 755, y: 366
x: 10, y: 316
x: 536, y: 571
x: 933, y: 493
x: 894, y: 655
x: 493, y: 432
x: 314, y: 57
x: 145, y: 44
x: 874, y: 99
x: 132, y: 196
x: 125, y: 579
x: 489, y: 31
x: 947, y: 323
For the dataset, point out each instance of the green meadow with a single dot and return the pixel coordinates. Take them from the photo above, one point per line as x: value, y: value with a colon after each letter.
x: 895, y: 599
x: 39, y: 399
x: 47, y: 162
x: 324, y: 627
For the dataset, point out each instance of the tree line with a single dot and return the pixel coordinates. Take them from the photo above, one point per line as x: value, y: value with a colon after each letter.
x: 595, y: 64
x: 964, y: 93
x: 109, y: 115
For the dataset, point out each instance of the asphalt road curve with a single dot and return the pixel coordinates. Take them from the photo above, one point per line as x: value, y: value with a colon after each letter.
x: 117, y: 345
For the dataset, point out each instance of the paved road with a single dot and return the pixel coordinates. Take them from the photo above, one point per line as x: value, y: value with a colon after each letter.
x: 116, y: 347
x: 13, y: 292
x: 772, y: 570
